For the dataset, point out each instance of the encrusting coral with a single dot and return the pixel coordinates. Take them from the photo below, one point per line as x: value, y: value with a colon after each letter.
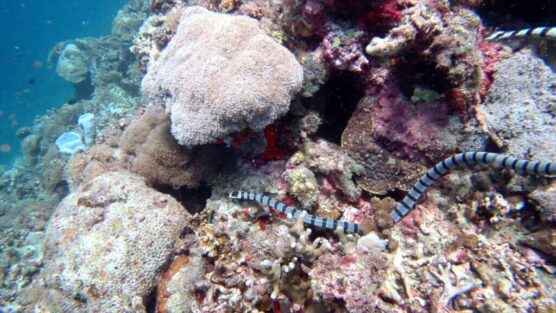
x: 221, y: 74
x: 104, y: 247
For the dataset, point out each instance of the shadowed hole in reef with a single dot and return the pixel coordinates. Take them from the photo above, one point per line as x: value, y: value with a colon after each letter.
x: 339, y: 98
x: 193, y: 199
x: 518, y: 13
x: 150, y: 301
x: 418, y: 73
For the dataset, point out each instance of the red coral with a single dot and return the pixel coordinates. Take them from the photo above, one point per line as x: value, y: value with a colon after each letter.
x: 240, y: 138
x: 271, y: 151
x: 382, y: 14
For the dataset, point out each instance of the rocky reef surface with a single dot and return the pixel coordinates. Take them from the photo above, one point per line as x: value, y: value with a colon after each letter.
x: 331, y: 107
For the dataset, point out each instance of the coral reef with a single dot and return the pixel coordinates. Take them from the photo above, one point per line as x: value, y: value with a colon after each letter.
x: 396, y: 140
x: 246, y: 80
x: 447, y: 38
x: 303, y: 185
x: 329, y: 107
x: 104, y: 247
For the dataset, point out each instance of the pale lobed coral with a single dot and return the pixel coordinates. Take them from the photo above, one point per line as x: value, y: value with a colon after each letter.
x: 220, y: 74
x: 73, y: 64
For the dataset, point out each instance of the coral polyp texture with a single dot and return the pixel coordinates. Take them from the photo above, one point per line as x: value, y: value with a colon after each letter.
x: 221, y: 74
x: 104, y: 247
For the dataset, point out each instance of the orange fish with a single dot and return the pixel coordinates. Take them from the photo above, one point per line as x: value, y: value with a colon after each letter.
x: 36, y: 64
x: 5, y: 148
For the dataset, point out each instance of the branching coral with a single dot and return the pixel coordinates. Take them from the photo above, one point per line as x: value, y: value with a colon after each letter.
x: 281, y: 271
x: 451, y: 289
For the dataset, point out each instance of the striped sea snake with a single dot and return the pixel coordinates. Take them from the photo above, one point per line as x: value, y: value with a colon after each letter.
x: 294, y: 213
x: 468, y: 158
x: 410, y: 200
x: 543, y: 32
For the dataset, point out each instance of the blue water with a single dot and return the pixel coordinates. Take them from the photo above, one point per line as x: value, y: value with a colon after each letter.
x: 28, y: 30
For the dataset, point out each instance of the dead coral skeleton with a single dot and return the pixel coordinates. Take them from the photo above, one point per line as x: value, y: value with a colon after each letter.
x: 452, y: 289
x: 282, y: 271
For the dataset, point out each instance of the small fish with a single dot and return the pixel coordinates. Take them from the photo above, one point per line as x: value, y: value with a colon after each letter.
x: 23, y: 91
x: 542, y: 32
x: 13, y: 120
x: 72, y: 101
x: 37, y: 64
x: 5, y: 148
x: 31, y: 81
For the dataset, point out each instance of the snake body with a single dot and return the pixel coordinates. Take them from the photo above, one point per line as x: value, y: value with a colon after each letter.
x: 294, y: 213
x: 468, y: 158
x: 543, y: 32
x: 408, y: 203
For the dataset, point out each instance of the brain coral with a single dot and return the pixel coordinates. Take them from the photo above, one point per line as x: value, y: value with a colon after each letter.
x: 220, y: 74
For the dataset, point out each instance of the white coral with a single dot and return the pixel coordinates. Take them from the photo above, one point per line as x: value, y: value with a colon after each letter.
x: 220, y: 74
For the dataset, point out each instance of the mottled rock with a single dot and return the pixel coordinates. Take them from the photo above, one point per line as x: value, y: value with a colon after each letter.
x: 176, y: 287
x: 544, y: 240
x: 545, y: 200
x: 520, y: 108
x: 396, y: 140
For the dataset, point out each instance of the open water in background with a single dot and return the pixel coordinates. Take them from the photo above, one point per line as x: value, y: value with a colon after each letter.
x: 28, y: 30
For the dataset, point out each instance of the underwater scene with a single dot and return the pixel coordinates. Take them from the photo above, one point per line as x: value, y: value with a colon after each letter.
x: 294, y: 156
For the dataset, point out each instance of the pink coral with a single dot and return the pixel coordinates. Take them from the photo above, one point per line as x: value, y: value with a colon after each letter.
x: 355, y: 279
x: 415, y: 129
x: 344, y: 50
